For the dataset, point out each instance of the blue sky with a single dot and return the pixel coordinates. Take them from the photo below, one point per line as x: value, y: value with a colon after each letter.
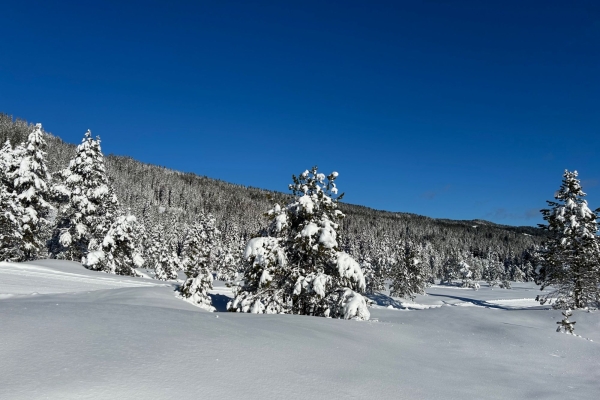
x: 458, y: 110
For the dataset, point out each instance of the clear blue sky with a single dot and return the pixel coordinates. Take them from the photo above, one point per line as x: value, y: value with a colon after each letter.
x: 457, y: 110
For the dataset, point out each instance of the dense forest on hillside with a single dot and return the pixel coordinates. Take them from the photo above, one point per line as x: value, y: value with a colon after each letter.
x: 161, y: 197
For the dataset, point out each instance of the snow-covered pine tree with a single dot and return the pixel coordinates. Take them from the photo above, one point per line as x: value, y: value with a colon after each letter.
x: 161, y: 255
x: 167, y: 265
x: 493, y: 270
x: 373, y: 281
x: 229, y: 254
x: 429, y: 263
x: 295, y: 266
x: 377, y: 268
x: 31, y: 181
x: 118, y: 253
x: 518, y: 273
x: 199, y: 262
x: 451, y: 267
x: 11, y: 215
x: 505, y: 272
x: 88, y: 205
x: 528, y: 271
x: 434, y: 260
x: 570, y: 258
x: 407, y: 277
x: 467, y: 276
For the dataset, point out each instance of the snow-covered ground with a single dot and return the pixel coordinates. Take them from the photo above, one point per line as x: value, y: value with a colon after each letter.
x: 70, y: 333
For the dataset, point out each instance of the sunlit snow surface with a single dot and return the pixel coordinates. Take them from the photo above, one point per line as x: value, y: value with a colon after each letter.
x: 70, y: 333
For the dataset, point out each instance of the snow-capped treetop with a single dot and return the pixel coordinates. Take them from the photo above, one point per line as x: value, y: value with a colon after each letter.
x: 314, y: 214
x: 571, y: 214
x: 32, y: 177
x: 570, y: 188
x: 88, y: 162
x: 312, y: 182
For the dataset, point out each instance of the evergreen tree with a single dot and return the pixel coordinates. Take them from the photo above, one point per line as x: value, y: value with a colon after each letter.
x: 467, y: 276
x: 493, y: 271
x: 88, y: 205
x: 161, y: 255
x: 199, y: 261
x: 451, y: 267
x: 31, y: 185
x: 295, y: 266
x: 377, y: 266
x: 118, y: 253
x: 11, y: 234
x: 407, y: 274
x: 229, y: 254
x: 570, y: 258
x: 167, y: 265
x: 518, y: 274
x: 373, y: 281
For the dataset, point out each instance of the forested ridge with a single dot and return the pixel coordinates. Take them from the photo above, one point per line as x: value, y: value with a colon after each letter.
x: 159, y: 196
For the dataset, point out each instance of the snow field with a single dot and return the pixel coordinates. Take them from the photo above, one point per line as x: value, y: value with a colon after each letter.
x: 115, y: 337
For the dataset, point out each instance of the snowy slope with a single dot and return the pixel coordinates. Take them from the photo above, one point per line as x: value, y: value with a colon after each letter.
x: 88, y: 335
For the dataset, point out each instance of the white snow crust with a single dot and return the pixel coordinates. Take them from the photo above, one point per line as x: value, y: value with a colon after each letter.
x: 71, y: 333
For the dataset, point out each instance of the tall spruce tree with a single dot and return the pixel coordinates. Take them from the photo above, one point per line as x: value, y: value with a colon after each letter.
x: 451, y: 267
x: 295, y: 266
x: 199, y: 262
x: 11, y: 213
x: 31, y: 183
x: 11, y: 234
x: 161, y: 254
x: 229, y: 254
x: 407, y: 275
x: 466, y: 272
x: 88, y: 204
x: 570, y: 258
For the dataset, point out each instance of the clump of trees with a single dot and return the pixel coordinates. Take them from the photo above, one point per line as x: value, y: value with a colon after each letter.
x: 74, y: 215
